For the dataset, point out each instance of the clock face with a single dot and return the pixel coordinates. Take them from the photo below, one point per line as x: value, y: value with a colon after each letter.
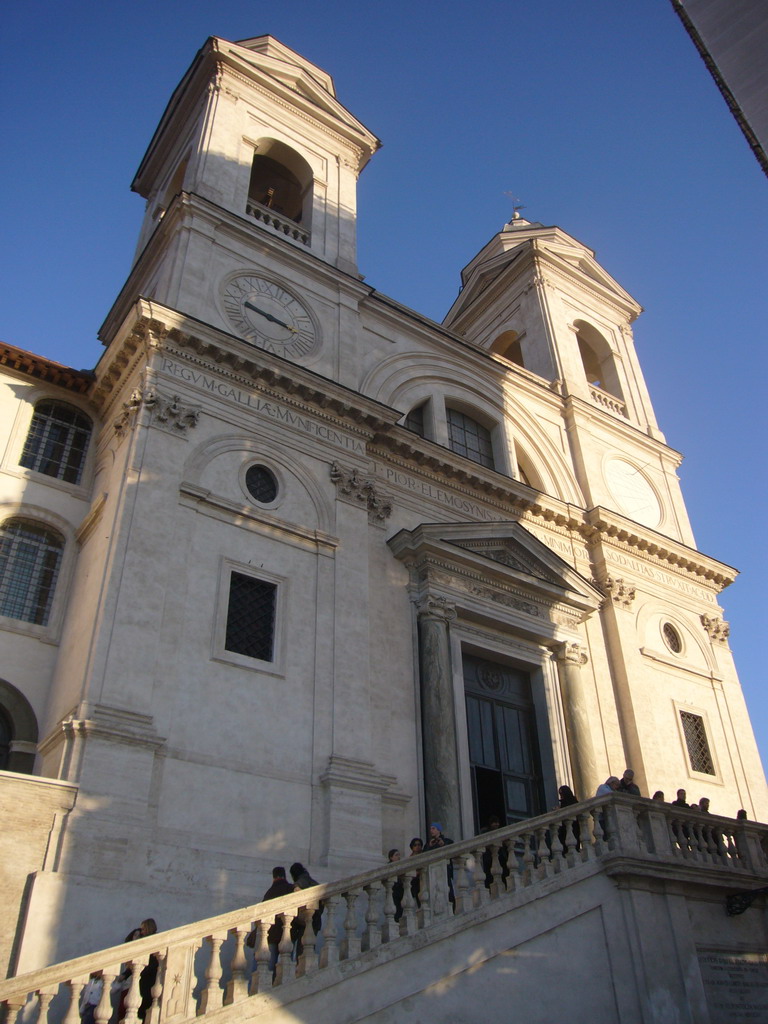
x: 268, y: 315
x: 631, y: 492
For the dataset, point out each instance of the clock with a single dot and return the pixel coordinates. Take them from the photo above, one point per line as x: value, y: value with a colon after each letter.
x: 268, y: 315
x: 631, y: 492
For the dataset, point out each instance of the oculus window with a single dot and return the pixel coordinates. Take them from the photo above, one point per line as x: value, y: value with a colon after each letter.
x: 469, y: 438
x: 261, y: 484
x: 250, y: 629
x: 57, y: 441
x: 30, y: 559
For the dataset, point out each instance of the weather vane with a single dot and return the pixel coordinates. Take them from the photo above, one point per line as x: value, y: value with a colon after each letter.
x: 517, y: 206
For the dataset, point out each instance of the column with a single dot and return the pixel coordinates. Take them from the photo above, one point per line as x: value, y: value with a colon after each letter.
x: 438, y: 716
x: 573, y: 685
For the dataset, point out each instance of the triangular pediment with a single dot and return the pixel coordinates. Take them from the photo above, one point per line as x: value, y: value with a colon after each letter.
x: 497, y: 260
x: 489, y: 560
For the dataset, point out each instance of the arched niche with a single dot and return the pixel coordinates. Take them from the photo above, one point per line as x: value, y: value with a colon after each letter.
x: 20, y: 724
x: 281, y: 180
x: 509, y: 345
x: 598, y: 359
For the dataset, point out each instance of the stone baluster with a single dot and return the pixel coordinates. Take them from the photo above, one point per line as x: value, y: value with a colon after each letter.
x: 237, y: 986
x: 74, y: 987
x: 571, y: 842
x: 103, y: 1010
x: 599, y: 826
x: 15, y: 1009
x: 286, y: 965
x: 152, y: 1015
x: 529, y: 860
x: 308, y: 961
x: 460, y: 887
x: 330, y: 952
x: 211, y: 997
x: 44, y: 997
x: 543, y: 862
x: 586, y: 821
x: 390, y: 930
x: 481, y: 894
x: 424, y: 912
x: 557, y: 852
x: 133, y: 998
x: 350, y: 944
x: 372, y: 935
x: 409, y: 924
x: 261, y: 979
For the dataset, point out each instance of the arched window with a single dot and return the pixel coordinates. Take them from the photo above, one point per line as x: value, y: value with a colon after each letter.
x: 281, y: 180
x: 30, y: 558
x: 469, y: 438
x: 57, y: 441
x: 597, y: 360
x: 415, y: 420
x: 18, y: 730
x: 510, y: 347
x: 6, y: 735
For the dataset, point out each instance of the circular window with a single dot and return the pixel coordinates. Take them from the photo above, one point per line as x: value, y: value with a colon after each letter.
x: 671, y: 638
x: 261, y: 484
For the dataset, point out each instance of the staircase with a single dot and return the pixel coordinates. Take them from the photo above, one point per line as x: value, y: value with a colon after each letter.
x: 509, y: 929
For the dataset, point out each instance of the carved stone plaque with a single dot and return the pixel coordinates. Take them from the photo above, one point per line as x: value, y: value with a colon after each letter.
x: 736, y: 985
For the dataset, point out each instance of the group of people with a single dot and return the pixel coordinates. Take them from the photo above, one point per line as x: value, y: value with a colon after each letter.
x: 92, y: 993
x: 627, y: 784
x: 300, y: 879
x: 435, y: 840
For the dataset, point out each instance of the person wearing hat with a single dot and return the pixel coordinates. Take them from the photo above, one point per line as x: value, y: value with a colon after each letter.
x: 436, y: 837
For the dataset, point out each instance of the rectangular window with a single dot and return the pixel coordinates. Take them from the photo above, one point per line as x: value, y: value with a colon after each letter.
x: 696, y: 741
x: 251, y: 617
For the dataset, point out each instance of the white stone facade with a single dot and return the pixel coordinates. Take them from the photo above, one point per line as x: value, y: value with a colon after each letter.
x: 518, y: 549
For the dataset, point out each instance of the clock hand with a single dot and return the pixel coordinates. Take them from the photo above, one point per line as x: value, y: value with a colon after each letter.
x: 268, y: 316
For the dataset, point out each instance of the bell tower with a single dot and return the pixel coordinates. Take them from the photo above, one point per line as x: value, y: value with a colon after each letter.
x: 537, y: 298
x: 253, y: 154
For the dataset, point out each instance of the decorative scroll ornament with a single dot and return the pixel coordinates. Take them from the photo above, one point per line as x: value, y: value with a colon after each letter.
x: 360, y: 490
x: 436, y: 607
x: 718, y: 628
x: 166, y: 411
x: 622, y: 594
x: 573, y: 654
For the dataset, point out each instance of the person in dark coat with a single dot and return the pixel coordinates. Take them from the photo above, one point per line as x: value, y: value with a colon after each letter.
x: 302, y: 880
x: 435, y: 841
x: 627, y: 783
x: 280, y: 887
x: 567, y: 798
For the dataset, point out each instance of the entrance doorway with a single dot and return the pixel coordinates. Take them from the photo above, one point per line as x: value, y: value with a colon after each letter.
x: 503, y: 746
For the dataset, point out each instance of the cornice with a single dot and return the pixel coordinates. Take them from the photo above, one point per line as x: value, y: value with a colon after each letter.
x: 154, y: 330
x: 40, y: 368
x: 601, y: 525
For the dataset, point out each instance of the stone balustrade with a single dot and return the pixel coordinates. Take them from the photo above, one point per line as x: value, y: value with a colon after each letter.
x: 208, y: 964
x: 609, y: 402
x: 279, y: 221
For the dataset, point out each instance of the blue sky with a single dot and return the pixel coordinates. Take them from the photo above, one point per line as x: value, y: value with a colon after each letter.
x: 599, y: 115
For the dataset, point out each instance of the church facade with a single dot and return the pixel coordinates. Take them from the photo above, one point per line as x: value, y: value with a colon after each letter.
x: 296, y: 571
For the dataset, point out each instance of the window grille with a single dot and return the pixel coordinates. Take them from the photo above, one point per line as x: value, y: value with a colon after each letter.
x: 672, y: 638
x: 261, y: 484
x: 696, y: 741
x: 469, y: 438
x: 251, y: 617
x: 30, y: 557
x: 57, y: 441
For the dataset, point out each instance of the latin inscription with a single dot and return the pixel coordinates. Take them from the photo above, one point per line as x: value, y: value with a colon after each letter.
x: 736, y: 985
x: 272, y: 410
x: 428, y: 490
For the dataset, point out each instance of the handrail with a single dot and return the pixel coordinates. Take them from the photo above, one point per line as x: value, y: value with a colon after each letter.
x: 370, y: 912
